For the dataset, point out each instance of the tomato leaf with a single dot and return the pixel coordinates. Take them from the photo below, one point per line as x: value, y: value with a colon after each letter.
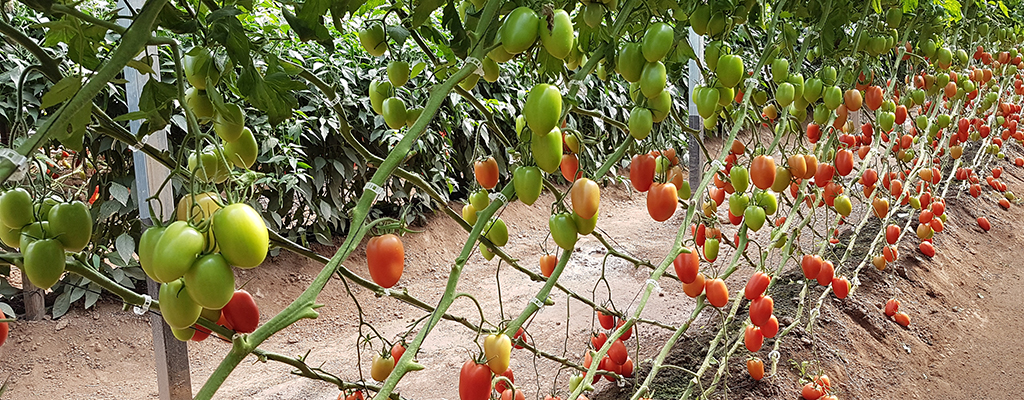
x: 61, y: 304
x: 271, y: 94
x: 119, y: 192
x: 142, y: 66
x: 226, y: 29
x: 62, y: 91
x: 125, y: 246
x: 177, y: 21
x: 909, y: 5
x: 459, y: 42
x: 422, y: 10
x: 6, y: 309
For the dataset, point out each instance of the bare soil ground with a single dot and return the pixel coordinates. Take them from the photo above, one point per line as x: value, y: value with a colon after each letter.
x: 963, y: 341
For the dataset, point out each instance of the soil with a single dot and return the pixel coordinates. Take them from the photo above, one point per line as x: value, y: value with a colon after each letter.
x: 963, y: 341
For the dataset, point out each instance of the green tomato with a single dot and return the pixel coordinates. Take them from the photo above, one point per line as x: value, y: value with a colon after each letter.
x: 44, y: 262
x: 241, y: 234
x: 785, y: 94
x: 398, y: 73
x: 209, y: 167
x: 828, y: 75
x: 528, y: 184
x: 813, y: 89
x: 378, y: 92
x: 177, y: 306
x: 711, y: 249
x: 660, y: 105
x: 641, y: 122
x: 584, y: 226
x: 630, y: 62
x: 547, y: 150
x: 754, y: 217
x: 394, y: 112
x: 780, y: 70
x: 147, y: 248
x: 519, y: 31
x: 821, y: 114
x: 484, y: 251
x: 543, y: 108
x: 657, y: 42
x: 737, y: 203
x: 174, y: 253
x: 33, y: 232
x: 593, y: 13
x: 242, y: 152
x: 412, y: 115
x: 740, y: 179
x: 229, y: 122
x: 200, y: 66
x: 16, y: 208
x: 200, y: 104
x: 843, y: 205
x: 10, y: 236
x: 373, y: 40
x: 707, y: 101
x: 767, y: 201
x: 559, y: 39
x: 730, y: 70
x: 661, y: 164
x: 684, y: 191
x: 480, y: 199
x: 563, y: 230
x: 497, y: 232
x: 71, y: 224
x: 469, y: 214
x: 491, y: 70
x: 832, y: 97
x: 210, y: 281
x: 653, y: 79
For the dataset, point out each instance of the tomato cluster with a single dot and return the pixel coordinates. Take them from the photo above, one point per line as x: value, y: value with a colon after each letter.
x: 44, y: 230
x: 192, y: 259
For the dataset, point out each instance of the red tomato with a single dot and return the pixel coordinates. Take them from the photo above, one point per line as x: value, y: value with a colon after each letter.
x: 844, y: 162
x: 826, y: 274
x: 892, y: 233
x: 695, y: 288
x: 984, y: 224
x: 385, y: 257
x: 628, y: 333
x: 770, y: 329
x: 762, y: 171
x: 927, y: 249
x: 4, y: 329
x: 891, y: 307
x: 626, y: 369
x: 902, y: 319
x: 501, y: 386
x: 486, y: 172
x: 687, y: 264
x: 811, y: 392
x: 761, y: 310
x: 756, y: 285
x: 717, y: 292
x: 617, y: 352
x: 507, y: 394
x: 474, y: 381
x: 753, y: 339
x: 241, y: 313
x: 397, y: 351
x: 570, y: 166
x: 598, y: 340
x: 607, y: 320
x: 811, y: 265
x: 755, y: 367
x: 520, y: 335
x: 841, y: 287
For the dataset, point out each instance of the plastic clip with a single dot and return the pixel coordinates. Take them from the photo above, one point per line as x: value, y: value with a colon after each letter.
x: 373, y: 187
x: 147, y: 301
x: 499, y: 196
x: 478, y: 64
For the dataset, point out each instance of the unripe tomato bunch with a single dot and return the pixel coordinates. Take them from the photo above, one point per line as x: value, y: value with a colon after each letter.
x: 215, y: 161
x: 192, y: 259
x: 44, y: 230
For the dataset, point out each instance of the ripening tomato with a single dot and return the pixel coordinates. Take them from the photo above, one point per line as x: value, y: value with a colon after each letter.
x: 755, y: 367
x: 902, y: 319
x: 501, y: 386
x: 498, y: 350
x: 756, y: 285
x: 385, y: 258
x: 474, y: 381
x: 695, y: 288
x: 752, y: 338
x: 397, y: 351
x: 486, y: 172
x: 717, y: 292
x: 687, y: 265
x: 811, y: 161
x: 811, y: 391
x: 570, y: 167
x: 513, y: 394
x: 762, y: 171
x: 382, y: 366
x: 586, y: 196
x: 547, y: 264
x: 662, y: 200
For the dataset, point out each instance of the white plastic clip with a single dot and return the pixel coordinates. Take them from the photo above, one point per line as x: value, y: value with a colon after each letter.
x: 653, y: 283
x: 479, y: 65
x: 813, y: 314
x: 774, y: 355
x: 499, y: 196
x: 387, y: 292
x: 18, y: 160
x: 373, y: 187
x: 147, y: 301
x: 717, y: 165
x: 537, y: 302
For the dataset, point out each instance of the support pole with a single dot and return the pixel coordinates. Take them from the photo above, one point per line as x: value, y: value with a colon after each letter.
x: 695, y: 79
x: 170, y: 355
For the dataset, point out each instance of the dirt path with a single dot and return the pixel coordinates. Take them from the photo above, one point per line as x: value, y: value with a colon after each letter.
x: 963, y: 343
